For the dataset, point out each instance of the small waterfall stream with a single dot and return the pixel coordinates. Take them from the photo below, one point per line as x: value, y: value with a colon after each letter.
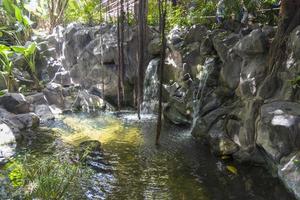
x: 199, y: 95
x: 151, y: 86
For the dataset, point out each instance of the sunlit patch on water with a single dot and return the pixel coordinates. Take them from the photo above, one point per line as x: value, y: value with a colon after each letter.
x: 103, y: 129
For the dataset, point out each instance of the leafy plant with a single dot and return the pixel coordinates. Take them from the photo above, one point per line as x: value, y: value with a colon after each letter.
x: 6, y: 65
x: 29, y: 54
x: 16, y: 19
x: 48, y: 177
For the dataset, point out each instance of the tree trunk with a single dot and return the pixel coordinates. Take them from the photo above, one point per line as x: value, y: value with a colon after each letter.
x: 122, y: 63
x: 289, y: 20
x: 119, y: 59
x: 162, y: 22
x: 141, y: 36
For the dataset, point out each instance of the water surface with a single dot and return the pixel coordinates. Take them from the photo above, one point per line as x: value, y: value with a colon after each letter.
x: 132, y: 167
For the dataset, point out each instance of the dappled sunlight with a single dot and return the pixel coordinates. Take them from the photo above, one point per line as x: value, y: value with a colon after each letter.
x: 90, y: 129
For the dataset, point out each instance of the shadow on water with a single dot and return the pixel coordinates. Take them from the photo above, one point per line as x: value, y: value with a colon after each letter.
x: 132, y: 167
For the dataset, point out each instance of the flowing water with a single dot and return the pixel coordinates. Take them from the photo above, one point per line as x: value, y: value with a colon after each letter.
x: 131, y: 167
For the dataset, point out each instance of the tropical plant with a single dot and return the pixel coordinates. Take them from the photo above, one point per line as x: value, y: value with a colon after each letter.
x: 16, y: 19
x: 6, y: 65
x: 29, y: 54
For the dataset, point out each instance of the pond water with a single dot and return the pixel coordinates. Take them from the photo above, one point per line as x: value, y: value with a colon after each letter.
x: 131, y: 167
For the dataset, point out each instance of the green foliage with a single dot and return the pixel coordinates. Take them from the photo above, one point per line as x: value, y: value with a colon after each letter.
x: 182, y: 14
x: 202, y: 13
x: 46, y: 177
x: 6, y: 65
x: 84, y: 11
x: 189, y: 12
x: 295, y: 82
x: 2, y: 93
x: 15, y: 19
x: 29, y: 54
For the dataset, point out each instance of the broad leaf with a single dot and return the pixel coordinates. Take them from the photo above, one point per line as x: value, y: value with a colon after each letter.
x: 8, y: 6
x: 18, y: 14
x: 19, y: 49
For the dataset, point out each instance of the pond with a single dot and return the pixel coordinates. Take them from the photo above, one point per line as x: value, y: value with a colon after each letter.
x: 129, y: 165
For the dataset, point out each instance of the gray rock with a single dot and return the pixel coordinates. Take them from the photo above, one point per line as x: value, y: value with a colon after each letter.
x: 294, y: 42
x: 206, y: 47
x: 269, y: 31
x: 176, y: 35
x: 278, y: 129
x: 202, y: 125
x: 289, y: 173
x: 26, y: 121
x: 252, y: 44
x: 195, y: 34
x: 7, y: 143
x: 63, y: 78
x: 53, y: 68
x: 252, y: 75
x: 220, y: 143
x: 54, y: 95
x: 223, y: 42
x: 154, y: 47
x: 248, y: 114
x: 15, y: 103
x: 88, y: 102
x: 37, y: 99
x: 44, y: 113
x: 177, y: 110
x: 230, y: 71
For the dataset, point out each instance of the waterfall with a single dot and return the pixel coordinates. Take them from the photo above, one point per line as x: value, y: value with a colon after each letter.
x: 207, y: 70
x: 151, y: 88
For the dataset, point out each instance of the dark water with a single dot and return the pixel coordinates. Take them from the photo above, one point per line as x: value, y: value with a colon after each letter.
x: 132, y: 167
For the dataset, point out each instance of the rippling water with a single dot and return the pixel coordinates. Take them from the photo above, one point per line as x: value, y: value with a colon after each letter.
x: 132, y: 167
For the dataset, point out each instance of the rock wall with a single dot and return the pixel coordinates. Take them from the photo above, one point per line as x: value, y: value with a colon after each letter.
x: 89, y: 57
x: 219, y: 83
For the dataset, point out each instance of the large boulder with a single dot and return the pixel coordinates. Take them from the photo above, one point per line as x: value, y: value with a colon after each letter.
x: 294, y: 43
x: 7, y: 143
x: 278, y: 129
x: 26, y: 121
x: 89, y: 102
x: 252, y: 74
x: 44, y: 113
x: 15, y: 103
x: 252, y: 44
x: 154, y: 47
x: 231, y: 70
x: 54, y: 94
x: 177, y: 113
x: 37, y: 99
x: 195, y: 34
x: 223, y: 42
x: 289, y: 172
x: 220, y: 143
